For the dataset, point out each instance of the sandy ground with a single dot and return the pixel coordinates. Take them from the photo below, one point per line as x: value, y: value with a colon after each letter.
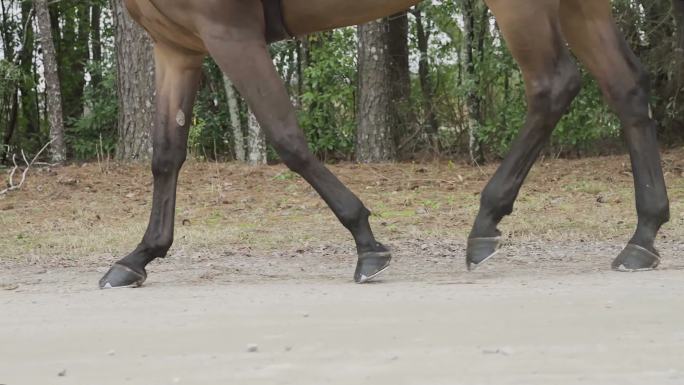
x: 535, y: 315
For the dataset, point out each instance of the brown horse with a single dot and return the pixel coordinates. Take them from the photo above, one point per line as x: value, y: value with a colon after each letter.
x: 538, y: 32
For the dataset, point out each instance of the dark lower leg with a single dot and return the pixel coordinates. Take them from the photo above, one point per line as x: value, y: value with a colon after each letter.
x: 649, y: 184
x: 248, y: 64
x: 597, y: 42
x: 250, y: 67
x: 552, y: 81
x: 159, y: 234
x: 169, y: 143
x: 291, y: 145
x: 177, y: 81
x: 631, y: 105
x: 545, y: 108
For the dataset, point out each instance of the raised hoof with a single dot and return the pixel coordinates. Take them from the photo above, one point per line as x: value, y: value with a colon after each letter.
x: 480, y: 250
x: 636, y: 258
x: 120, y: 276
x: 371, y: 264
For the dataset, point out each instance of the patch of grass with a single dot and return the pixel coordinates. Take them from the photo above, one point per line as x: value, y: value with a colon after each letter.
x: 269, y: 208
x: 587, y: 187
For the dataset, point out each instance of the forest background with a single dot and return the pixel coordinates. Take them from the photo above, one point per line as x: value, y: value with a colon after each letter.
x: 434, y: 82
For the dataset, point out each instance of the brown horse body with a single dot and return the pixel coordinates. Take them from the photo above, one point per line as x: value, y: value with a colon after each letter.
x: 538, y: 32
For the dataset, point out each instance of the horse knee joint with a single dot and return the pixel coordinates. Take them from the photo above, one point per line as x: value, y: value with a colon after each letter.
x: 168, y: 162
x: 550, y: 96
x: 629, y: 97
x: 296, y: 157
x: 572, y: 81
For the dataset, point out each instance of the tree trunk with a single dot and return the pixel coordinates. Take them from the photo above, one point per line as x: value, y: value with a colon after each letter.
x: 256, y: 142
x: 9, y: 105
x: 374, y: 141
x: 54, y: 94
x: 96, y: 43
x: 11, y: 125
x: 473, y: 99
x: 678, y: 70
x: 135, y: 86
x: 29, y: 95
x: 423, y: 37
x: 235, y: 126
x: 400, y: 73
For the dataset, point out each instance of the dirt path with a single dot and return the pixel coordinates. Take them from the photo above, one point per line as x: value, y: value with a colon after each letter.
x: 530, y: 317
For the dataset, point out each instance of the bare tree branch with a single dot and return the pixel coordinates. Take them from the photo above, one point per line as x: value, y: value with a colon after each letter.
x: 12, y: 186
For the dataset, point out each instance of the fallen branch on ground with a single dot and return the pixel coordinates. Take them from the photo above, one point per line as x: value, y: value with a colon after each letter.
x: 12, y: 186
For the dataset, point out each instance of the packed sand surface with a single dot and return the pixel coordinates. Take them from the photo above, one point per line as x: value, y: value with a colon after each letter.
x: 508, y: 323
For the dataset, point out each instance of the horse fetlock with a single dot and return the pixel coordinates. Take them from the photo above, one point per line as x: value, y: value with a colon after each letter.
x: 156, y: 248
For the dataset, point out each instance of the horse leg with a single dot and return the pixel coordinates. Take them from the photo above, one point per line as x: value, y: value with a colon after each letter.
x: 589, y: 27
x: 533, y: 33
x: 241, y: 52
x: 177, y: 79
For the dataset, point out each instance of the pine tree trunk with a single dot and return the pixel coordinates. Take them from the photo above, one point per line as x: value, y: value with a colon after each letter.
x: 135, y: 64
x: 423, y: 37
x: 256, y: 142
x: 678, y: 82
x: 473, y: 99
x: 29, y: 95
x: 54, y: 94
x: 236, y: 127
x: 374, y: 140
x: 96, y: 43
x: 402, y: 113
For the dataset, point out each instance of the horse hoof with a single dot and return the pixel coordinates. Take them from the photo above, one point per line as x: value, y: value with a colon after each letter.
x: 636, y: 258
x: 480, y: 250
x: 371, y: 264
x: 120, y: 276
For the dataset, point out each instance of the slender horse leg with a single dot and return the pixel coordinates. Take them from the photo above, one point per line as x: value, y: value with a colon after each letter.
x: 177, y: 77
x: 533, y: 33
x: 589, y: 28
x: 241, y: 52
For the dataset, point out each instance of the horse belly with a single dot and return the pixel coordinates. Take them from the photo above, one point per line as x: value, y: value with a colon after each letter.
x: 161, y: 28
x: 305, y: 16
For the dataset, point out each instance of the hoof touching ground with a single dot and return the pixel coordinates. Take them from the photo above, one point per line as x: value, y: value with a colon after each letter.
x: 636, y: 258
x: 480, y: 250
x: 371, y: 264
x: 120, y: 276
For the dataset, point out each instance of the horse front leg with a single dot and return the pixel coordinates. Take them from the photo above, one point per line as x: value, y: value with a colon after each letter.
x: 533, y: 34
x: 177, y: 80
x: 237, y: 44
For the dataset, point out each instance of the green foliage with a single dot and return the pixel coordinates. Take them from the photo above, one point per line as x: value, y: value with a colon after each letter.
x: 10, y: 76
x: 588, y: 122
x: 95, y: 133
x: 320, y: 72
x: 497, y: 82
x: 328, y: 109
x: 210, y: 136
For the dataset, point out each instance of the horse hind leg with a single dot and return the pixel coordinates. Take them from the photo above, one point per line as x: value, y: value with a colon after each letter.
x: 246, y: 61
x: 593, y: 36
x: 177, y: 79
x: 532, y: 31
